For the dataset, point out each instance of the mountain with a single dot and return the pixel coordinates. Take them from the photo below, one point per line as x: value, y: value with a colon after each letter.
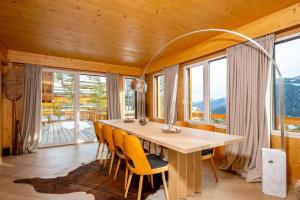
x: 218, y: 106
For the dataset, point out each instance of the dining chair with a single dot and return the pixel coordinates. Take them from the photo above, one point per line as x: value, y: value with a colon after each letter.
x: 118, y: 136
x: 182, y: 123
x: 108, y: 138
x: 100, y: 139
x: 208, y: 154
x: 140, y: 164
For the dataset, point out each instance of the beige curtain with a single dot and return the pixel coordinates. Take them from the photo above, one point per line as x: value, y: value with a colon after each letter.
x: 171, y: 82
x: 248, y: 77
x: 32, y: 108
x: 141, y: 104
x: 113, y: 97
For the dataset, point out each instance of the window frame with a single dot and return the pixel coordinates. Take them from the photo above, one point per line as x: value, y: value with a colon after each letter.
x: 206, y: 91
x: 275, y: 131
x: 154, y: 100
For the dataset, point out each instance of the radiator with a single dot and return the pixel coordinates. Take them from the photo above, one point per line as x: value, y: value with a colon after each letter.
x: 274, y: 172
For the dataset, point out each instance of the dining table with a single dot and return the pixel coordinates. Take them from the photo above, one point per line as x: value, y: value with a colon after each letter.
x: 184, y: 152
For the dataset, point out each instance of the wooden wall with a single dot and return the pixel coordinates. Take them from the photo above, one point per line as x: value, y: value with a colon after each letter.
x: 7, y: 110
x: 292, y: 148
x: 2, y: 61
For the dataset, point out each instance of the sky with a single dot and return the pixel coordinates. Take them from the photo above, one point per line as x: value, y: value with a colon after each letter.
x: 287, y: 57
x: 218, y: 72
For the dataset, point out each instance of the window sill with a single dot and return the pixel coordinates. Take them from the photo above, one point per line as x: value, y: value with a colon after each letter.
x: 288, y: 134
x: 196, y: 122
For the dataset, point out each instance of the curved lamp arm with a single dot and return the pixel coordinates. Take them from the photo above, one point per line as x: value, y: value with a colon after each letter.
x: 141, y: 86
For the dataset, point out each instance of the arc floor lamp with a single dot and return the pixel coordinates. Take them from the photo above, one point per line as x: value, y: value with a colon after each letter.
x: 140, y: 85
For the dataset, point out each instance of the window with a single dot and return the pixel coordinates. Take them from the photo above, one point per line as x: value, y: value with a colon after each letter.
x: 159, y: 96
x: 130, y: 99
x: 195, y: 93
x: 205, y: 91
x: 288, y: 60
x: 218, y: 71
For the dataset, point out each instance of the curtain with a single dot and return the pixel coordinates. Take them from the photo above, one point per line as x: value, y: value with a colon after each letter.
x: 32, y: 108
x: 248, y: 76
x: 141, y: 104
x: 113, y: 97
x: 171, y: 82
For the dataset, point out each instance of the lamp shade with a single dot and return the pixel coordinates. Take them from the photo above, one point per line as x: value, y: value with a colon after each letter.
x: 139, y: 85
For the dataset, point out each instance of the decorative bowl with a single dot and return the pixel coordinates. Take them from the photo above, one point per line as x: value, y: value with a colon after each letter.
x: 143, y: 122
x: 128, y: 120
x: 171, y: 129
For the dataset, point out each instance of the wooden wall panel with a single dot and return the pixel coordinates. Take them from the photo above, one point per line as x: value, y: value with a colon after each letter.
x: 7, y: 111
x: 293, y: 156
x: 3, y: 60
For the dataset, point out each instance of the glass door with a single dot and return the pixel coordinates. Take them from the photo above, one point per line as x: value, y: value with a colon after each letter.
x: 58, y: 108
x: 93, y: 104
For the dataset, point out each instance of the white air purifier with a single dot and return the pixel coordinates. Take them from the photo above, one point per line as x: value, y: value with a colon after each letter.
x: 274, y: 172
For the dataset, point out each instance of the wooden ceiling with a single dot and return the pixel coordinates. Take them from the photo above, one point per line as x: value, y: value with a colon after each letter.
x: 118, y: 31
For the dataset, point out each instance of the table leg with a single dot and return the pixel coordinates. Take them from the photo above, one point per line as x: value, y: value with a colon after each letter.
x: 184, y: 174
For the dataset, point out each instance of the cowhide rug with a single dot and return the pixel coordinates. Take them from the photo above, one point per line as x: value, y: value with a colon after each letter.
x: 93, y: 179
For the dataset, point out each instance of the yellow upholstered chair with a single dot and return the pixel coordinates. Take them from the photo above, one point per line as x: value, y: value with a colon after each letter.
x: 99, y: 135
x: 118, y: 136
x: 182, y: 123
x: 208, y: 154
x: 140, y: 164
x: 108, y: 138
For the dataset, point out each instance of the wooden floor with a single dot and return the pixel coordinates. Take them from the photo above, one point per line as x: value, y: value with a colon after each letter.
x: 61, y: 133
x: 53, y: 162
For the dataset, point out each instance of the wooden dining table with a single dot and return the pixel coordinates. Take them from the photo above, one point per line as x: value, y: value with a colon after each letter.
x: 184, y: 152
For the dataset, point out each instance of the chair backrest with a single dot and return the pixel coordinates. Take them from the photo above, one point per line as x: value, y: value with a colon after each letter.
x: 118, y: 136
x: 182, y: 123
x: 108, y: 136
x: 98, y: 131
x: 134, y: 152
x: 207, y: 127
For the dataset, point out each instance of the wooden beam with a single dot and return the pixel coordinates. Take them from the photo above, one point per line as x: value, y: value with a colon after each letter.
x: 272, y: 23
x: 69, y: 63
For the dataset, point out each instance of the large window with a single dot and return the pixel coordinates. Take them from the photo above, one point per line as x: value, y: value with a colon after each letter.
x: 205, y: 91
x: 217, y: 91
x: 288, y: 59
x: 195, y: 92
x: 130, y: 99
x: 159, y: 96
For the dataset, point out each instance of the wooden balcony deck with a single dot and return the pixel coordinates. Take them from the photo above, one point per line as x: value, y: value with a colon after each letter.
x: 62, y: 133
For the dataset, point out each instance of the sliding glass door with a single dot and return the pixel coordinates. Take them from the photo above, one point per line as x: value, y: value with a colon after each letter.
x: 93, y: 104
x: 71, y: 102
x: 58, y: 108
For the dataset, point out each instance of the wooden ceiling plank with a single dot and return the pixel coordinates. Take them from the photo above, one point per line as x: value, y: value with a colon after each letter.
x: 275, y: 22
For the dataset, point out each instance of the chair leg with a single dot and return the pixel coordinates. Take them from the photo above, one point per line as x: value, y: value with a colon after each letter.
x: 151, y: 180
x: 140, y: 187
x: 214, y: 169
x: 107, y: 154
x: 165, y: 185
x: 155, y: 150
x: 111, y: 162
x: 117, y: 169
x: 97, y: 151
x: 149, y: 148
x: 126, y: 177
x: 102, y: 151
x: 128, y: 184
